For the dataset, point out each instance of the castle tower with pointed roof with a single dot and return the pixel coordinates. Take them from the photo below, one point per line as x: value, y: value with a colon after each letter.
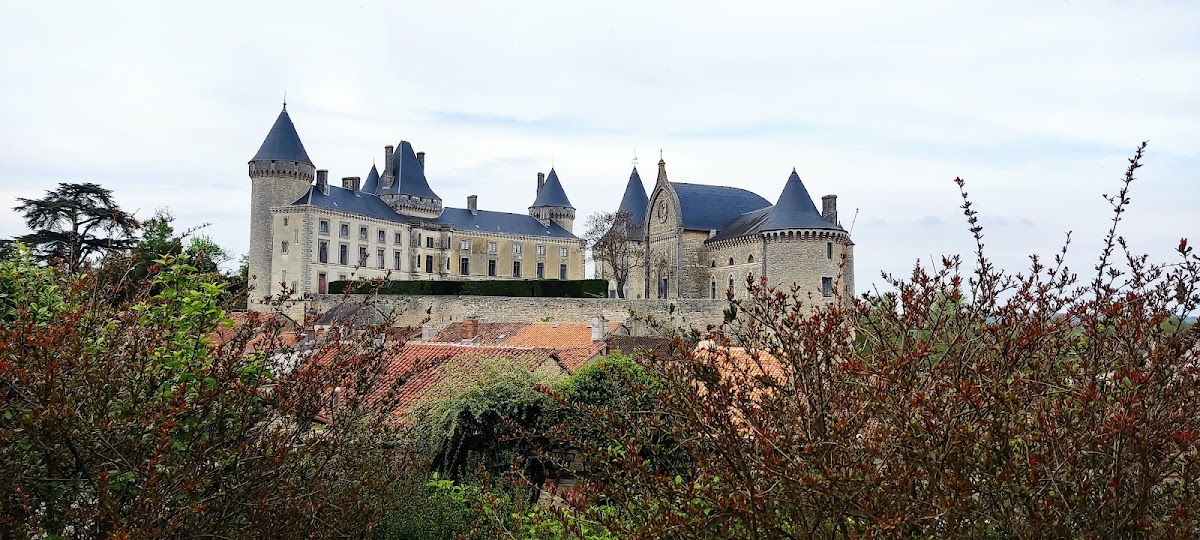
x: 551, y: 204
x: 280, y: 172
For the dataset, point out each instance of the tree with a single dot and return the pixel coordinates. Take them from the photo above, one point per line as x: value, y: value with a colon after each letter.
x: 158, y: 418
x: 615, y: 240
x: 967, y: 403
x: 74, y: 222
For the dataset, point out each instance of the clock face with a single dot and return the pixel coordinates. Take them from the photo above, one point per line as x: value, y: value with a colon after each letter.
x: 662, y: 211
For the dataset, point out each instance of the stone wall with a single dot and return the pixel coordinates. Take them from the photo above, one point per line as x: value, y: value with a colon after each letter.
x: 443, y: 310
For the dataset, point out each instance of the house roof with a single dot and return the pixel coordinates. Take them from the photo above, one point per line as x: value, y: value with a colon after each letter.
x: 485, y: 221
x: 552, y: 193
x: 794, y: 210
x: 634, y: 345
x: 634, y: 201
x: 409, y: 175
x: 371, y: 184
x: 282, y: 142
x: 570, y: 342
x: 344, y: 200
x: 706, y: 208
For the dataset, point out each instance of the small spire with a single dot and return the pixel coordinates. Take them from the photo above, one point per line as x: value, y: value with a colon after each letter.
x: 635, y: 157
x: 662, y: 168
x: 285, y: 100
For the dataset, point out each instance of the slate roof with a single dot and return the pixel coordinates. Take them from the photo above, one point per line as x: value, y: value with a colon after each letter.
x: 409, y: 175
x: 371, y: 184
x: 463, y: 220
x: 344, y: 200
x: 705, y: 208
x: 635, y: 200
x: 282, y: 142
x: 794, y: 210
x: 552, y: 193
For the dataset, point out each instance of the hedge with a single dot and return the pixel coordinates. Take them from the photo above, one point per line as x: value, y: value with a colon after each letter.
x: 543, y: 288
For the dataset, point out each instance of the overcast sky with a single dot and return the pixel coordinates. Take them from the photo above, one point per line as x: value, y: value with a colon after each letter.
x: 1036, y: 104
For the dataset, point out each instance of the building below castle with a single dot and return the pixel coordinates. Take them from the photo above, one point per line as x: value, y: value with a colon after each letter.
x: 699, y: 241
x: 306, y: 233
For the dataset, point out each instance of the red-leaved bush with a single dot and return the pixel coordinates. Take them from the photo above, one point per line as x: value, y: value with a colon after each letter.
x: 961, y: 404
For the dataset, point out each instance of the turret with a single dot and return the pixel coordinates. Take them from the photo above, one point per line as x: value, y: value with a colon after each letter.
x: 403, y: 185
x: 551, y: 203
x: 280, y: 173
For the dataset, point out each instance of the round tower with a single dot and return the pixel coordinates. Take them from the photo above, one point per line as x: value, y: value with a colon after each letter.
x: 280, y: 173
x: 551, y: 203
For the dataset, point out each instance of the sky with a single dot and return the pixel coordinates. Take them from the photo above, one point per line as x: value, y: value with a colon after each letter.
x: 1037, y: 105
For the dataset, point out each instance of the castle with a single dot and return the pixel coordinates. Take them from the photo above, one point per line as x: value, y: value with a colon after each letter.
x: 307, y: 233
x: 696, y: 241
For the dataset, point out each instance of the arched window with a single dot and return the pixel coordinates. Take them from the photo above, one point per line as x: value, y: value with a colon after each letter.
x: 714, y: 263
x: 731, y: 282
x: 750, y: 259
x: 714, y: 289
x: 731, y: 261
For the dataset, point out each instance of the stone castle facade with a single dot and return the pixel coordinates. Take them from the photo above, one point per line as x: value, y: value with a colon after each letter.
x: 306, y: 233
x: 699, y: 241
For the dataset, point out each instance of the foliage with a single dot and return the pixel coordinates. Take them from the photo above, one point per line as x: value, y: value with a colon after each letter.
x: 477, y: 425
x: 975, y: 404
x: 614, y: 240
x: 75, y: 221
x: 542, y: 288
x: 142, y: 420
x: 27, y: 291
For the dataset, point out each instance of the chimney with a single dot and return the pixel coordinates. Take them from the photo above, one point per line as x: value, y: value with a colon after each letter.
x: 323, y: 181
x: 599, y: 328
x: 829, y: 208
x: 473, y: 204
x: 421, y: 160
x: 541, y: 181
x: 351, y: 183
x: 387, y: 159
x: 470, y: 328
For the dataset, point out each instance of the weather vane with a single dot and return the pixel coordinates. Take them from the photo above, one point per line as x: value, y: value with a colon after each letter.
x: 635, y: 157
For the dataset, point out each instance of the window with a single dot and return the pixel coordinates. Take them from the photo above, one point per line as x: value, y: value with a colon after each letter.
x: 827, y: 286
x: 562, y: 252
x: 828, y: 250
x: 323, y: 251
x: 516, y: 268
x: 491, y: 247
x: 343, y: 254
x: 362, y: 256
x: 285, y: 222
x: 322, y: 283
x: 731, y: 261
x: 323, y: 227
x: 465, y: 245
x: 396, y: 260
x: 398, y: 239
x: 714, y: 289
x: 428, y: 241
x: 541, y: 251
x: 283, y: 277
x: 516, y: 249
x: 379, y: 258
x: 750, y: 259
x: 381, y: 236
x: 492, y: 267
x: 714, y: 264
x: 731, y: 282
x: 562, y: 272
x: 541, y: 270
x: 429, y: 264
x: 283, y: 246
x: 464, y: 266
x: 344, y: 231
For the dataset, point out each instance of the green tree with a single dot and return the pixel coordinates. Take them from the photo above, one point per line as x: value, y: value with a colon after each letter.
x: 153, y: 418
x: 74, y: 222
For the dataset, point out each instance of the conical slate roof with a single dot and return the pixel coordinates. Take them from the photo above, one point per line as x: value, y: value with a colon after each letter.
x: 371, y: 184
x: 795, y: 209
x: 282, y: 142
x: 552, y: 193
x: 635, y: 200
x: 409, y: 175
